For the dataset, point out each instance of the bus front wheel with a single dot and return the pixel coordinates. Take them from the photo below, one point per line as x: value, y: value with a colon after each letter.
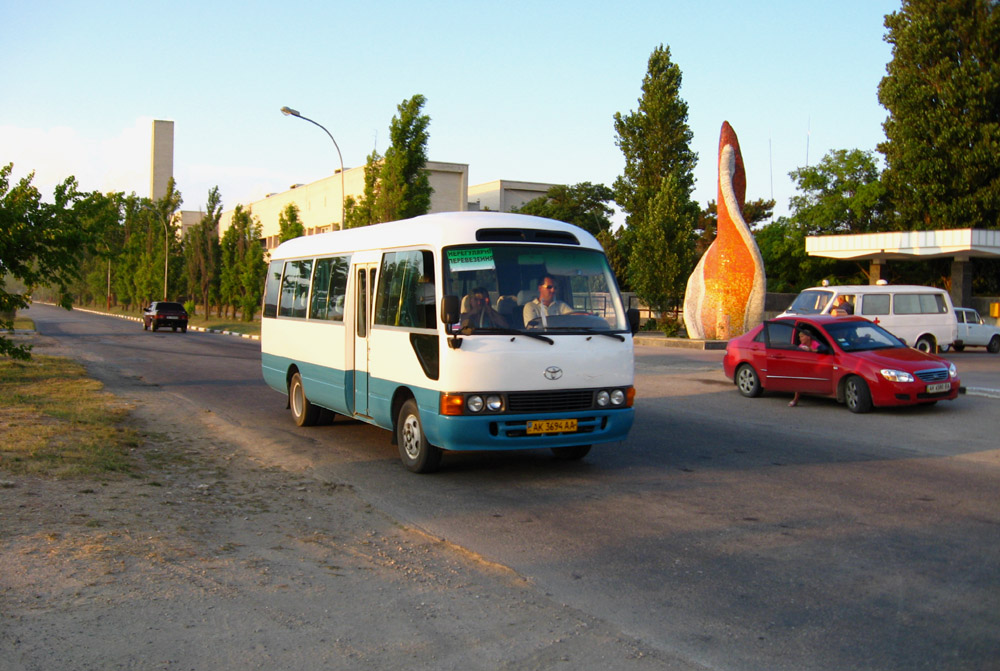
x: 304, y: 412
x: 416, y: 453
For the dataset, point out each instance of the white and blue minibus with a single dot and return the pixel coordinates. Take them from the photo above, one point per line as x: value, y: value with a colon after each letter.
x: 434, y: 328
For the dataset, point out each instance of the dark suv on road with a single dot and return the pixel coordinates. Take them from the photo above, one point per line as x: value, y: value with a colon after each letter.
x: 162, y: 313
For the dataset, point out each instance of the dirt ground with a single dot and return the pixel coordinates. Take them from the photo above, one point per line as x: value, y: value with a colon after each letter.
x: 211, y: 560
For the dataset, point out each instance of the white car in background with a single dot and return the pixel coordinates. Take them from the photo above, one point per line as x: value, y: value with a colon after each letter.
x: 972, y: 332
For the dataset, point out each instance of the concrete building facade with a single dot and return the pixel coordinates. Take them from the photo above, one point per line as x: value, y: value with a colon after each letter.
x: 161, y: 167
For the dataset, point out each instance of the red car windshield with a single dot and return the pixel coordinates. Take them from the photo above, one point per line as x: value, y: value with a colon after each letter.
x: 859, y: 336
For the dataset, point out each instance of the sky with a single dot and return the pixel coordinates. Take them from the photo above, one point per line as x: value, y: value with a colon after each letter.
x: 522, y: 91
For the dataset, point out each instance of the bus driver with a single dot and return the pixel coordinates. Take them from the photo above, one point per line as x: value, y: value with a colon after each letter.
x: 546, y: 303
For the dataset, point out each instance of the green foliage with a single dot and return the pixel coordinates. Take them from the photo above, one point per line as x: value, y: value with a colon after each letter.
x: 942, y: 91
x: 662, y: 253
x: 397, y: 186
x: 243, y: 265
x: 203, y: 254
x: 655, y: 189
x: 289, y: 224
x: 843, y: 193
x: 584, y: 205
x: 39, y: 244
x: 191, y: 308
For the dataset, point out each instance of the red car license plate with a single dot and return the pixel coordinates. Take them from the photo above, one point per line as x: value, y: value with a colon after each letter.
x: 938, y: 388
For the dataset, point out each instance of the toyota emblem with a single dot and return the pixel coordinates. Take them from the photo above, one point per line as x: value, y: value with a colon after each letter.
x: 553, y: 373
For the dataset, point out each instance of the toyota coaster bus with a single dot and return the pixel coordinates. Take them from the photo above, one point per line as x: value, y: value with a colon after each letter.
x: 432, y: 328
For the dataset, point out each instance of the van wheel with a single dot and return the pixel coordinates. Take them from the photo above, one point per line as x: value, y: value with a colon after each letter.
x: 570, y: 453
x: 925, y: 344
x: 857, y: 395
x: 959, y: 348
x: 416, y: 453
x: 994, y: 345
x: 304, y: 412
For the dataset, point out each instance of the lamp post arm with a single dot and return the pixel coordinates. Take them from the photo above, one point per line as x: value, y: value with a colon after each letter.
x: 343, y: 195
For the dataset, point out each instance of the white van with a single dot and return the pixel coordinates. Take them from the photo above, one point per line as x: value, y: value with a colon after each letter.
x: 922, y: 316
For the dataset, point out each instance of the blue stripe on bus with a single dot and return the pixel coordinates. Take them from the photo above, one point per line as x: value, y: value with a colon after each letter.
x: 333, y: 389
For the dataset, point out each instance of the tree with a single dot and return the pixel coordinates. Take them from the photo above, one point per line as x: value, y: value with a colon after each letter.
x: 584, y: 205
x: 397, y: 186
x: 289, y: 224
x: 843, y: 193
x: 202, y: 254
x: 39, y: 246
x: 655, y: 189
x: 942, y: 91
x: 243, y: 266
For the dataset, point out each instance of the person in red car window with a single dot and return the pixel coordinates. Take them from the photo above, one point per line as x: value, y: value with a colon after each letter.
x: 810, y: 344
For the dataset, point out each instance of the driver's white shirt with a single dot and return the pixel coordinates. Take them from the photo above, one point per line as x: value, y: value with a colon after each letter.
x: 534, y: 309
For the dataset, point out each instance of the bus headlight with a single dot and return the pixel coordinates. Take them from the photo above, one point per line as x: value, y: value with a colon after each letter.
x: 603, y: 398
x: 618, y: 397
x: 474, y: 403
x: 494, y: 403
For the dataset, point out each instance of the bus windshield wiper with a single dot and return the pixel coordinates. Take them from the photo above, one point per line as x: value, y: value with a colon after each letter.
x: 503, y: 331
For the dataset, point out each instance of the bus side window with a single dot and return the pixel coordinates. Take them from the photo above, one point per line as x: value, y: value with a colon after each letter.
x: 272, y: 288
x: 406, y: 281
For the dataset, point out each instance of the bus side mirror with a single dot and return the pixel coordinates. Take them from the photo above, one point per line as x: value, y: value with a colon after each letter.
x: 633, y: 320
x: 451, y: 313
x: 451, y: 309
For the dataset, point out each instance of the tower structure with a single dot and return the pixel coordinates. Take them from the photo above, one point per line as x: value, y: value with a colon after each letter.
x: 161, y: 167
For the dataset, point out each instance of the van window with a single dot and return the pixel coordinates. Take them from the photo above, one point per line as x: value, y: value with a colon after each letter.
x: 810, y: 302
x: 874, y: 304
x: 919, y: 304
x: 272, y: 288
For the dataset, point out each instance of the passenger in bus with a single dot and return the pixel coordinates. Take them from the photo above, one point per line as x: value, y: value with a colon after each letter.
x: 481, y: 315
x: 546, y: 303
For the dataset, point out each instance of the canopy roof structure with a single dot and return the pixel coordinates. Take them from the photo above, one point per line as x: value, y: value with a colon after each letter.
x: 960, y: 245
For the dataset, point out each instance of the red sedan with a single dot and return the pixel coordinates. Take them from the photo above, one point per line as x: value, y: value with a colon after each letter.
x: 848, y: 358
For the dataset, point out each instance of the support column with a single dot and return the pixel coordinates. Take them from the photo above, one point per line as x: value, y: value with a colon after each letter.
x: 961, y: 282
x: 875, y: 271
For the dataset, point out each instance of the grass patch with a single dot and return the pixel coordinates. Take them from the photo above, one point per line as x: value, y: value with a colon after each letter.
x: 57, y: 422
x: 23, y: 324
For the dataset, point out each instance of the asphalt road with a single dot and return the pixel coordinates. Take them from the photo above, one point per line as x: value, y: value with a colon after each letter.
x: 734, y: 533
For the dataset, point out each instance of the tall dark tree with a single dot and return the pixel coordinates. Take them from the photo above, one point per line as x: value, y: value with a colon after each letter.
x: 584, y: 205
x: 397, y: 186
x: 202, y: 253
x: 942, y: 91
x: 655, y: 189
x: 406, y: 189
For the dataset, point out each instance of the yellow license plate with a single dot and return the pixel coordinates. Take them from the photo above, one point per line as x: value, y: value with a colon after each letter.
x: 551, y: 426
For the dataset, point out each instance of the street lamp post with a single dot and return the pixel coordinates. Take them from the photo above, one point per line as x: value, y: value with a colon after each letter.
x: 288, y: 111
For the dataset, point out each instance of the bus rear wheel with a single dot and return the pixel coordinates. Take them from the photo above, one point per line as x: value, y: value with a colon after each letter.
x: 416, y: 453
x: 304, y: 412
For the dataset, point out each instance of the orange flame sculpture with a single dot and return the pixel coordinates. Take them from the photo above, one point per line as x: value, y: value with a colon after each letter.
x: 725, y: 293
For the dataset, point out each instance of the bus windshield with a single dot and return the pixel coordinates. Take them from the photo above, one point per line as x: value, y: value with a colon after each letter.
x: 533, y: 288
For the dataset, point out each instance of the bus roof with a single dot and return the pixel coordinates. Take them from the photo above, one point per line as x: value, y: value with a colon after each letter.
x: 436, y: 230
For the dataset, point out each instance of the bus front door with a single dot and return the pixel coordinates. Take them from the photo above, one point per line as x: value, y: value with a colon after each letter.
x: 364, y: 292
